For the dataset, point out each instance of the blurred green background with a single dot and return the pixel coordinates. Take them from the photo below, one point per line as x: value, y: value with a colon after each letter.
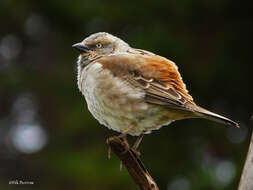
x: 47, y: 135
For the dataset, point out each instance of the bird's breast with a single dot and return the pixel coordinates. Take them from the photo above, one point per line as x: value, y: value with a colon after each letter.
x: 111, y: 100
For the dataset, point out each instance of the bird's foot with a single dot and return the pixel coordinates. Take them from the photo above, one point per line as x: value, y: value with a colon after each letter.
x: 136, y: 153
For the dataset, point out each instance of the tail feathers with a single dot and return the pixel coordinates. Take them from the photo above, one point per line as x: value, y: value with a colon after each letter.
x: 203, y: 113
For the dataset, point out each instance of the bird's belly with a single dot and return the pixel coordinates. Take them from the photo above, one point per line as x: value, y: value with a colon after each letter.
x: 117, y: 105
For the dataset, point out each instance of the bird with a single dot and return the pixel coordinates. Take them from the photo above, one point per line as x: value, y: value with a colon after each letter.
x: 133, y: 91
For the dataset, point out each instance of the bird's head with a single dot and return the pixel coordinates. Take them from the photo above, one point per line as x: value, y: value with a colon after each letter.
x: 99, y: 44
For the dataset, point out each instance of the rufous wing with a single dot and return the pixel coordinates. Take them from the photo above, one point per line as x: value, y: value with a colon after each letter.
x: 157, y: 76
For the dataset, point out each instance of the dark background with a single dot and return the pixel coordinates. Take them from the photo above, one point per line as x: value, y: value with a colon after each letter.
x: 47, y: 135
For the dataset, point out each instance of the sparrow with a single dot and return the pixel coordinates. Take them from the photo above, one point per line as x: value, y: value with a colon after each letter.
x: 133, y: 91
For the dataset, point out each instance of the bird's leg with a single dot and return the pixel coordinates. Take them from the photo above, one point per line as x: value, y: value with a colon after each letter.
x: 134, y: 148
x: 137, y: 142
x: 136, y: 145
x: 123, y: 135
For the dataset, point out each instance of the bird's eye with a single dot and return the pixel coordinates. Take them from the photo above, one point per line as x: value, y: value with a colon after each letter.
x: 98, y: 45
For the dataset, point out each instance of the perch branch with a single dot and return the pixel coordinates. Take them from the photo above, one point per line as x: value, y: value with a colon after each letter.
x: 246, y: 182
x: 132, y: 162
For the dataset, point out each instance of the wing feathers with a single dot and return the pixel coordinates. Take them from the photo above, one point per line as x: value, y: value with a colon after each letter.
x: 157, y: 76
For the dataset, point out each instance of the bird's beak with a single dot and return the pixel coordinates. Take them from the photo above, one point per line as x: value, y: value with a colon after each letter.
x: 81, y: 47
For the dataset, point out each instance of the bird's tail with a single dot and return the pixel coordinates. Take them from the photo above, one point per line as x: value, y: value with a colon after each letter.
x: 203, y: 113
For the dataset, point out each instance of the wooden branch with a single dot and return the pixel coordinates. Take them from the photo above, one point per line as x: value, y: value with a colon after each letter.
x: 132, y: 162
x: 246, y: 182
